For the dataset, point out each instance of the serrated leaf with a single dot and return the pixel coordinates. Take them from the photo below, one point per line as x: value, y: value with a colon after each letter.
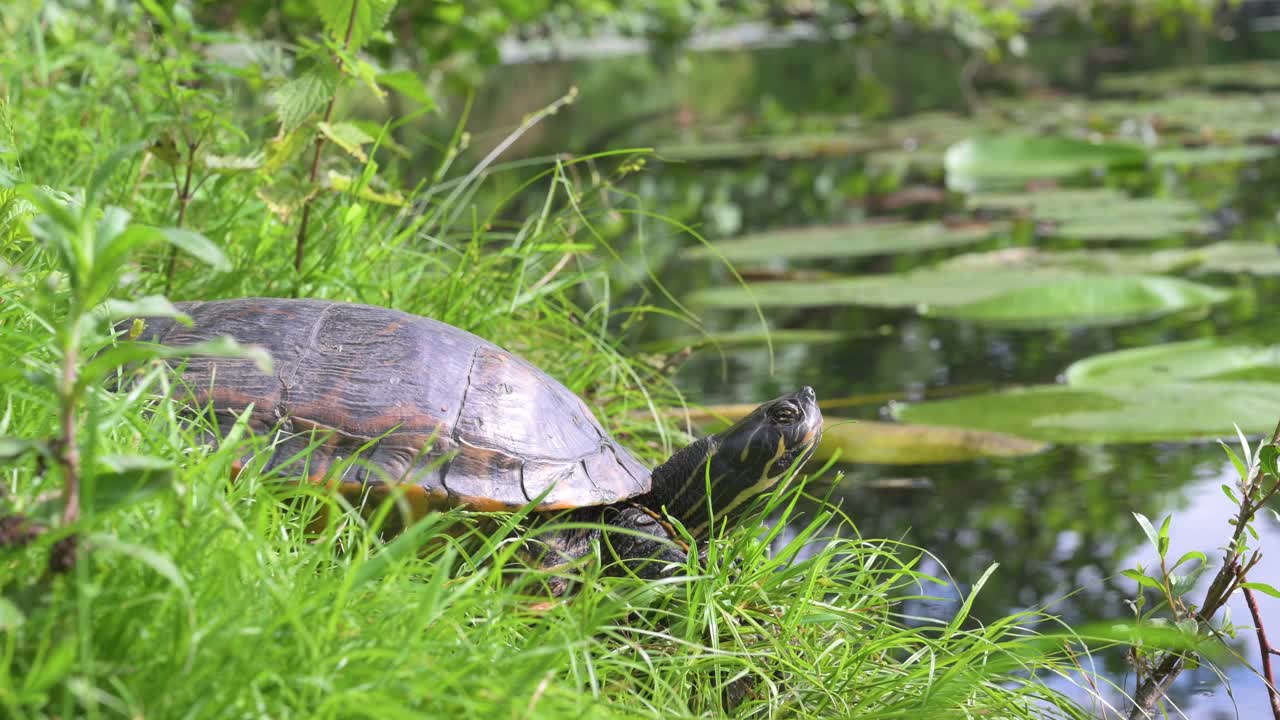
x: 286, y: 195
x: 302, y: 97
x: 1142, y: 579
x: 1262, y: 588
x: 1147, y: 528
x: 346, y: 136
x: 354, y: 28
x: 283, y: 150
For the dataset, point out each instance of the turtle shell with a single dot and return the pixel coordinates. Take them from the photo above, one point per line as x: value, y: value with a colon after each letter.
x: 454, y: 418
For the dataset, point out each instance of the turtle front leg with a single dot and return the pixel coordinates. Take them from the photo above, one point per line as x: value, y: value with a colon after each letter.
x: 651, y: 555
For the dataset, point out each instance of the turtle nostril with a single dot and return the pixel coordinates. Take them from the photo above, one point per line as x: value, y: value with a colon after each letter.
x: 808, y: 393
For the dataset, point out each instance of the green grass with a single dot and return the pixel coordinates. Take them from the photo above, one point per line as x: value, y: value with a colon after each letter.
x: 200, y: 597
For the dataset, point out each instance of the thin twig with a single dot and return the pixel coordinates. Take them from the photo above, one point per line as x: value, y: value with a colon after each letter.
x: 1265, y: 648
x: 184, y: 200
x: 300, y: 247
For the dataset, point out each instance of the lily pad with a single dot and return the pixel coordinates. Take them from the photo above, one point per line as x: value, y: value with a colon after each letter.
x: 888, y: 443
x: 795, y: 146
x: 1256, y: 75
x: 1110, y: 414
x: 1094, y: 260
x: 1210, y: 155
x: 749, y: 338
x: 1006, y: 161
x: 1009, y: 297
x: 847, y: 241
x: 1195, y: 360
x: 1101, y: 213
x: 1089, y: 301
x: 1255, y: 258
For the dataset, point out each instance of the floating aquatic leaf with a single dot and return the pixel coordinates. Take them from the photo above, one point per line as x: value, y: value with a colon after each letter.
x: 1097, y: 261
x: 1009, y: 297
x: 1257, y: 75
x: 749, y: 337
x: 1112, y: 414
x: 1255, y: 258
x: 1211, y: 155
x: 1008, y: 160
x: 1089, y: 301
x: 845, y: 241
x: 777, y: 147
x: 888, y: 443
x: 1229, y: 257
x: 1193, y: 360
x: 1134, y: 224
x: 1101, y: 213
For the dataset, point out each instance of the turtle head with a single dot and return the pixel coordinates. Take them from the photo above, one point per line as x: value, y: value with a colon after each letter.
x: 753, y: 454
x: 739, y: 462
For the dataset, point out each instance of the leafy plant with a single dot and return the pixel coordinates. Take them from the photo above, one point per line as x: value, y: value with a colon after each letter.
x: 90, y: 244
x: 1156, y: 668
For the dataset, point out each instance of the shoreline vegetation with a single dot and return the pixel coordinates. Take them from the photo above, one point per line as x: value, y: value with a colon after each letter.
x: 139, y: 579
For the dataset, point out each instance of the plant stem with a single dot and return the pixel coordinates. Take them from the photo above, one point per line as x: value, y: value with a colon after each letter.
x: 1265, y: 649
x: 184, y: 199
x: 299, y: 250
x: 69, y: 447
x: 1153, y: 688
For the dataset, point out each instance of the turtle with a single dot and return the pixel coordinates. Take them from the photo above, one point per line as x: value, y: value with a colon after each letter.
x: 451, y: 419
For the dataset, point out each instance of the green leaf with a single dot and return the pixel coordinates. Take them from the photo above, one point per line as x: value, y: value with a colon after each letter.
x: 197, y: 246
x: 1009, y: 160
x: 13, y: 448
x: 1154, y: 413
x: 1240, y: 467
x: 1147, y: 528
x: 302, y: 97
x: 343, y: 25
x: 11, y: 618
x: 346, y: 136
x: 1262, y: 588
x: 994, y: 296
x: 846, y: 241
x: 1142, y: 579
x: 1268, y: 456
x: 1193, y: 360
x: 1163, y: 545
x: 1191, y: 555
x: 1231, y: 495
x: 50, y: 669
x: 343, y: 183
x: 124, y: 480
x: 159, y: 562
x: 408, y: 84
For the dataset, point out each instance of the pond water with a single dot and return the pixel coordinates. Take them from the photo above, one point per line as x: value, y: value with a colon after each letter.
x: 1058, y: 521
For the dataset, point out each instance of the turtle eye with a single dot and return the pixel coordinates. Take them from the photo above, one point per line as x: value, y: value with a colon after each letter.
x: 784, y: 413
